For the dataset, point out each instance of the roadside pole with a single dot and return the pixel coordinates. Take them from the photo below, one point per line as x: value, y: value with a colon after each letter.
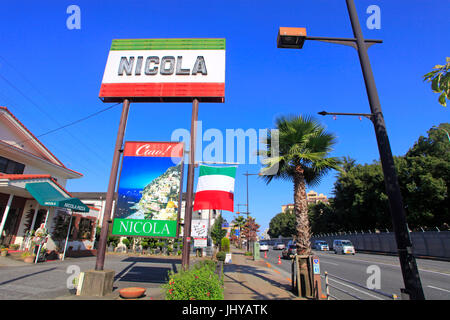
x: 190, y: 189
x: 100, y: 262
x: 413, y: 286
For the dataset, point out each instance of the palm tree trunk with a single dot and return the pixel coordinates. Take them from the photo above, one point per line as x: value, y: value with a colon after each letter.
x: 301, y: 214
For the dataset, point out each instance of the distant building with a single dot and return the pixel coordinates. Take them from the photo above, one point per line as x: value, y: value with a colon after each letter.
x: 311, y: 197
x: 286, y: 207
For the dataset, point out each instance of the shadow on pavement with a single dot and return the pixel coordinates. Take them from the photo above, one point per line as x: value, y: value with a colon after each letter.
x: 146, y: 274
x: 26, y: 276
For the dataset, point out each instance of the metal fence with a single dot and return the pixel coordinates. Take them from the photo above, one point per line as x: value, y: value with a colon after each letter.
x: 329, y: 296
x: 434, y: 244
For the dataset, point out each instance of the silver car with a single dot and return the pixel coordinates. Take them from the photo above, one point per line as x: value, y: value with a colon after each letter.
x: 279, y: 246
x: 343, y: 246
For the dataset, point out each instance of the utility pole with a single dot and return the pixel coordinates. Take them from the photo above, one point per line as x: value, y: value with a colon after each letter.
x: 407, y: 260
x: 248, y: 211
x: 190, y: 189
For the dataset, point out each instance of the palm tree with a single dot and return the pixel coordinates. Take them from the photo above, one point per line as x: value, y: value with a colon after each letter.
x: 303, y: 159
x: 239, y: 222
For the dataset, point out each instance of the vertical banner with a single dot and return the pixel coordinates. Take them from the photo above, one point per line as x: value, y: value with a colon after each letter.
x: 148, y: 203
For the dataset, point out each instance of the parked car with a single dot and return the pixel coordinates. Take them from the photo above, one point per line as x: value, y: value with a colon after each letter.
x: 321, y: 245
x: 343, y: 246
x: 263, y: 246
x: 279, y: 246
x: 290, y: 251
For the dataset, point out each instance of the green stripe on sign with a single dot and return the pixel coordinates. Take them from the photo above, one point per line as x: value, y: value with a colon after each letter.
x: 168, y: 44
x: 225, y: 171
x: 144, y: 228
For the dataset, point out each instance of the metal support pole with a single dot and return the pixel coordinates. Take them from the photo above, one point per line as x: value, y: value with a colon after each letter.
x: 67, y: 237
x: 407, y: 261
x: 100, y: 262
x: 5, y: 214
x: 42, y: 241
x: 327, y: 288
x: 248, y: 240
x: 190, y: 188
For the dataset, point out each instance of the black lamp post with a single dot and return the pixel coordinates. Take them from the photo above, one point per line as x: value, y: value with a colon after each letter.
x: 294, y: 38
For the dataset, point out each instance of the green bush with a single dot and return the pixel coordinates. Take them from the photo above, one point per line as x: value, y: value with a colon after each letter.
x: 198, y: 283
x: 225, y: 245
x: 248, y: 253
x: 221, y: 255
x: 14, y: 246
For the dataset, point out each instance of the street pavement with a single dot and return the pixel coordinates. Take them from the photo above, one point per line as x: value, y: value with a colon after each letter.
x: 435, y: 275
x: 50, y: 280
x: 244, y: 278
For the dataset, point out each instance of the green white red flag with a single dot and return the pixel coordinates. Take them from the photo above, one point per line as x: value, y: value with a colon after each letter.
x: 215, y: 188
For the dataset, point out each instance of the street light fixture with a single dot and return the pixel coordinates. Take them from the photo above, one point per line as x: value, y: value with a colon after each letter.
x: 413, y: 286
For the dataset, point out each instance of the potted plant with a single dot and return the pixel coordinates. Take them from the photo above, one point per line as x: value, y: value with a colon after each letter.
x: 4, y: 251
x: 28, y: 257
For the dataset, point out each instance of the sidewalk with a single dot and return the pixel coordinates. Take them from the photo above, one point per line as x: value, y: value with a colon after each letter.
x: 246, y: 279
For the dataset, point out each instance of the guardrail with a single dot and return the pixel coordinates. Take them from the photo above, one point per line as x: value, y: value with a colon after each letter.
x: 328, y: 286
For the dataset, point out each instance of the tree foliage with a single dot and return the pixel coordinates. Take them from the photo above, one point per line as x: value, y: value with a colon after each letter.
x: 250, y: 229
x: 303, y: 159
x: 360, y: 201
x: 440, y: 81
x: 217, y: 232
x: 283, y: 224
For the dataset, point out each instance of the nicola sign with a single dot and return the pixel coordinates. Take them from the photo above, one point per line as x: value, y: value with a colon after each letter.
x: 149, y: 190
x: 165, y: 70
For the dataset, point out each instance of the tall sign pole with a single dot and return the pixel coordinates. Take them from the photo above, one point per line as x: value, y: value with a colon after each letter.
x: 408, y: 264
x: 100, y: 262
x: 190, y: 189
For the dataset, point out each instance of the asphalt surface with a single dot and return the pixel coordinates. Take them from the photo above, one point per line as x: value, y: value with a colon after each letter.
x: 52, y: 279
x: 434, y: 275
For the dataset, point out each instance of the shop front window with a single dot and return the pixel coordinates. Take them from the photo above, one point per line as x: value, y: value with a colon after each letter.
x: 85, y: 229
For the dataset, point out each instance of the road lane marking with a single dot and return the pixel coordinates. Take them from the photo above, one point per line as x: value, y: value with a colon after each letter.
x: 329, y: 262
x: 371, y: 295
x: 437, y: 288
x: 386, y: 264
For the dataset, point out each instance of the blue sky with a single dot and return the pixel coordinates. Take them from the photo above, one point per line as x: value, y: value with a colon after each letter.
x: 138, y: 172
x: 50, y: 76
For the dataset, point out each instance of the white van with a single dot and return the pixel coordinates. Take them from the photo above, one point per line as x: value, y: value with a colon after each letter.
x: 343, y: 246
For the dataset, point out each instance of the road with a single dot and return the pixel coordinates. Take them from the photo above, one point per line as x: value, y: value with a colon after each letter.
x: 435, y: 275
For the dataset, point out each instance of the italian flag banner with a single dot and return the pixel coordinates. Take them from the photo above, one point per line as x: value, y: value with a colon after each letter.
x: 215, y: 188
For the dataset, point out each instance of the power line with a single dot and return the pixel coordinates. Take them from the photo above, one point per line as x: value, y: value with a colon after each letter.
x: 67, y: 125
x: 42, y: 110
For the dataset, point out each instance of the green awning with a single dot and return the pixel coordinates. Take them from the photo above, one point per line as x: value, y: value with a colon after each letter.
x: 47, y: 195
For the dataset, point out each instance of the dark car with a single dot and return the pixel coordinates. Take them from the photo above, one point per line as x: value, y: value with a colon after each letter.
x: 289, y: 251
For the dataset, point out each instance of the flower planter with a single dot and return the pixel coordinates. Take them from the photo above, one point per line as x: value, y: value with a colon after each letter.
x: 132, y: 293
x: 4, y: 253
x: 29, y: 259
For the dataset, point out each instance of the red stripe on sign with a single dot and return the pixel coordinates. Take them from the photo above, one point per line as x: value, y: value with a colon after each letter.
x: 153, y: 149
x: 213, y: 199
x: 167, y: 89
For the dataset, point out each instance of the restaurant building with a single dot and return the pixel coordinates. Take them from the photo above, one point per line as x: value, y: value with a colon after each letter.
x: 33, y: 194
